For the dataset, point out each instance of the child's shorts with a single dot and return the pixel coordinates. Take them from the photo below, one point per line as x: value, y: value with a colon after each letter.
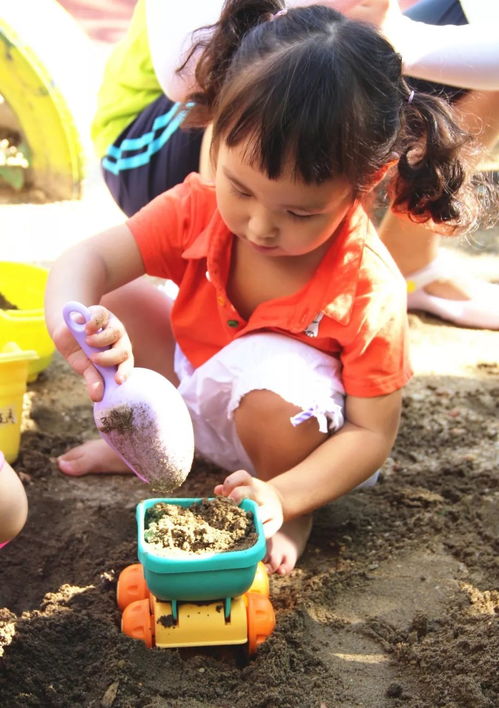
x: 298, y: 373
x: 151, y: 155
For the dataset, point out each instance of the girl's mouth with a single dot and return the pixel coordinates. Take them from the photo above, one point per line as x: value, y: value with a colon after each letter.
x: 262, y: 249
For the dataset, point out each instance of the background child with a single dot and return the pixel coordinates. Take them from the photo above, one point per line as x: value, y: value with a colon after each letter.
x: 289, y: 329
x: 13, y: 503
x: 140, y: 133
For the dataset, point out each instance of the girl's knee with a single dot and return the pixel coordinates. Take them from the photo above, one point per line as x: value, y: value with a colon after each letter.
x: 262, y: 404
x: 263, y: 424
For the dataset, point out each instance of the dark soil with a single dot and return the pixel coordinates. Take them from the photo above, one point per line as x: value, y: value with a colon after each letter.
x: 6, y: 304
x: 394, y: 602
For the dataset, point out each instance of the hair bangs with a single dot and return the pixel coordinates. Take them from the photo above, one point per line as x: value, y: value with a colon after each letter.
x: 282, y: 119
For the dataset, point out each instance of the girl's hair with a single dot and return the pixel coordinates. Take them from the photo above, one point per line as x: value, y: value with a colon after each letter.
x: 325, y: 95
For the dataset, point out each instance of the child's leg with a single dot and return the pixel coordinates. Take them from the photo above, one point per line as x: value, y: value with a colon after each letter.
x: 241, y: 402
x: 13, y: 503
x: 274, y: 446
x: 145, y: 311
x: 151, y: 155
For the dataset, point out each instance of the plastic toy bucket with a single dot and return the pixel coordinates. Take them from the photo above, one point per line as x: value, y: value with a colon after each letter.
x: 13, y: 376
x: 207, y: 577
x: 23, y: 285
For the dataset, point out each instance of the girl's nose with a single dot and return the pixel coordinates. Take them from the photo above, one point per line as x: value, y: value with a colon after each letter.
x: 261, y: 229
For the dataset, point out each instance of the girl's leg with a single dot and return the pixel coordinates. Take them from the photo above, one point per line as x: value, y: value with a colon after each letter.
x: 145, y: 311
x: 241, y: 401
x: 274, y: 445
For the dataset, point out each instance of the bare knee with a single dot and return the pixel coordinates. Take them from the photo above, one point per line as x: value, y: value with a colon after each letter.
x: 266, y: 433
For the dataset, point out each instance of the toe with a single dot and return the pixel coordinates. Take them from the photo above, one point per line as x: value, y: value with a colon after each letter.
x: 69, y: 468
x: 71, y: 465
x: 285, y: 567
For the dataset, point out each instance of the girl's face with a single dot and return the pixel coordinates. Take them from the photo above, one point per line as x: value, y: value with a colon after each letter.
x: 277, y: 217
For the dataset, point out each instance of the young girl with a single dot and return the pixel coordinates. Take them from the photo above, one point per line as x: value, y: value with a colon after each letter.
x: 13, y: 503
x: 288, y: 335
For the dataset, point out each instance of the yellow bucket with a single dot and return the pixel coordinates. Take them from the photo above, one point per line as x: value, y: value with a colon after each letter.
x: 13, y: 377
x: 23, y: 285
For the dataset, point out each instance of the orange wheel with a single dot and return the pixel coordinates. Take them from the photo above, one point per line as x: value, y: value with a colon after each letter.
x: 137, y: 622
x: 131, y: 585
x: 261, y: 619
x: 261, y: 581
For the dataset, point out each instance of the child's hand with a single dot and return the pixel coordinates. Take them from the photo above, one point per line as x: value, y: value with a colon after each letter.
x: 103, y: 330
x: 241, y: 485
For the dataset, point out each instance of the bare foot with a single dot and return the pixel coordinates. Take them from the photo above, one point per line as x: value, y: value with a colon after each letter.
x: 287, y: 545
x: 93, y: 457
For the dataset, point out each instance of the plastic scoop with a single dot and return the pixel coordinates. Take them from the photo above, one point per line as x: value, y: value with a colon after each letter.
x: 145, y: 419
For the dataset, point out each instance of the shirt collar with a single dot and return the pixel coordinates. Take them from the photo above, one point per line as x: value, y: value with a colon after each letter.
x: 332, y: 289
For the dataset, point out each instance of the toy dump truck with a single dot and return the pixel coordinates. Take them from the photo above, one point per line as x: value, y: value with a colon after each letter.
x: 218, y: 599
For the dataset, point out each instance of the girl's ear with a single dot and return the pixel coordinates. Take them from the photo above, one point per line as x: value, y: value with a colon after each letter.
x: 208, y: 155
x: 379, y: 174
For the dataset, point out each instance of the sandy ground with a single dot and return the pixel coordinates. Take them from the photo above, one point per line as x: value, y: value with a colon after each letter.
x: 394, y: 602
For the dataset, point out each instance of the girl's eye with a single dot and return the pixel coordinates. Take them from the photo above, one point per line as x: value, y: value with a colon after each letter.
x: 238, y: 192
x: 300, y: 216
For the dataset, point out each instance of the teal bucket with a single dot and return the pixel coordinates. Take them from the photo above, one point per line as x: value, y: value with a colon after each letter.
x: 221, y: 575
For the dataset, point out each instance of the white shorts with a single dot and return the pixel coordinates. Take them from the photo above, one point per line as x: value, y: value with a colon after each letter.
x: 298, y: 373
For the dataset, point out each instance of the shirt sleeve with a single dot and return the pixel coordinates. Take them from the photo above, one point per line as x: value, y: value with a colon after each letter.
x: 375, y: 348
x: 168, y: 224
x: 170, y: 28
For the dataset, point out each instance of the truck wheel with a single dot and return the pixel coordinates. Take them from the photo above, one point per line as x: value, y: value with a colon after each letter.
x: 261, y: 619
x: 131, y: 586
x: 137, y: 622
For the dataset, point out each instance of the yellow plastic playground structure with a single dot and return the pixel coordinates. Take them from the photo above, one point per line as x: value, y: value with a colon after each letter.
x: 42, y: 57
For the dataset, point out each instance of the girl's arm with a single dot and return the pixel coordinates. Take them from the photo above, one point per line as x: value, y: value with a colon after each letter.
x: 85, y: 273
x: 338, y: 465
x: 466, y: 56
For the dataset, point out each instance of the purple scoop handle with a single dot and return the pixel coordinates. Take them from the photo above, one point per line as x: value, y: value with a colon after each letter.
x: 78, y: 331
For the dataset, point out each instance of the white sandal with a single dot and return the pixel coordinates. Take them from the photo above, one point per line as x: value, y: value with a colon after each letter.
x: 480, y: 311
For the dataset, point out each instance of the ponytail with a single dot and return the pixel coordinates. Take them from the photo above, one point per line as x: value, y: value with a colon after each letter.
x: 237, y: 18
x: 326, y: 94
x: 435, y: 171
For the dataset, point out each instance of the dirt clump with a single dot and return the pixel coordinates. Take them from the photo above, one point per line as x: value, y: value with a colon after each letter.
x: 6, y: 304
x: 208, y: 526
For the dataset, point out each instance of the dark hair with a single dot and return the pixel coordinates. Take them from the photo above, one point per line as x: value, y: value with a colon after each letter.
x: 325, y: 94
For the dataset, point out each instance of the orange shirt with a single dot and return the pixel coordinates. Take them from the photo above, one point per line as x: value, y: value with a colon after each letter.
x: 354, y: 306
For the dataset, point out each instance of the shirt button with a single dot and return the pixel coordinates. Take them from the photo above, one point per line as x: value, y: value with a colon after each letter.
x: 220, y: 300
x: 233, y: 323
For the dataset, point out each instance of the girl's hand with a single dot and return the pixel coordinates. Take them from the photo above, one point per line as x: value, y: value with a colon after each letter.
x: 241, y: 485
x: 103, y: 330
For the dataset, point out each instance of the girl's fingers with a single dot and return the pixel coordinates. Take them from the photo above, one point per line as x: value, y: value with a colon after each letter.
x: 111, y: 357
x: 240, y: 493
x: 94, y: 383
x: 236, y: 479
x: 107, y: 336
